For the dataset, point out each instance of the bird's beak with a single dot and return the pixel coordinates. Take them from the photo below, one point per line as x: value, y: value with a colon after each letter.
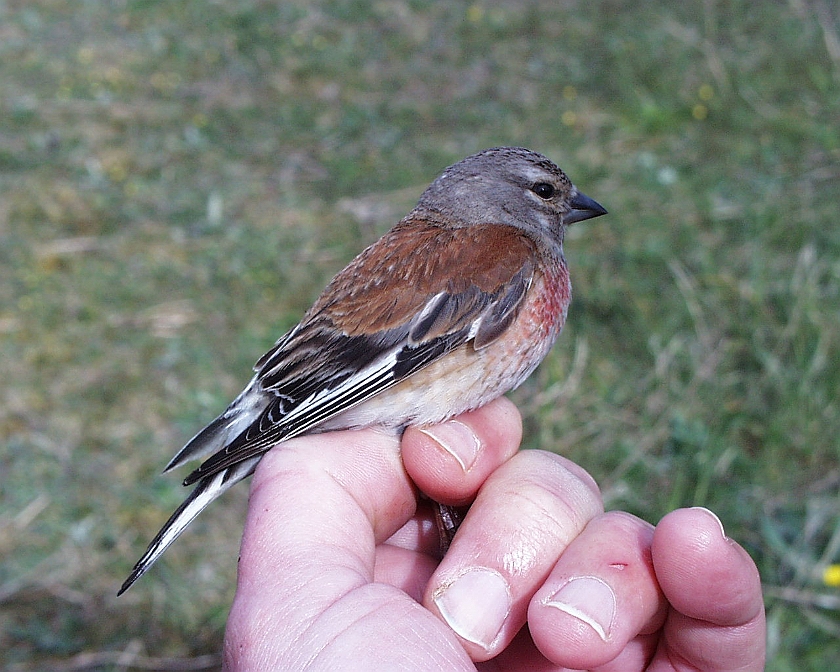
x: 583, y: 207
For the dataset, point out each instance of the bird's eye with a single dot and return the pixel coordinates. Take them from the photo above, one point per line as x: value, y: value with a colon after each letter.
x: 543, y: 190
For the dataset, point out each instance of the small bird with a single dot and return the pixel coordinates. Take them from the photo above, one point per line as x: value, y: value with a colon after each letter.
x: 453, y: 307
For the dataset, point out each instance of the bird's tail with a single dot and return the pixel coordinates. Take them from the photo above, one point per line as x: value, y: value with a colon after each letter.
x: 205, y: 491
x: 242, y: 412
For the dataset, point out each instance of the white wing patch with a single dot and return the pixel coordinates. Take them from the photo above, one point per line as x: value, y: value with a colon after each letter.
x: 331, y: 401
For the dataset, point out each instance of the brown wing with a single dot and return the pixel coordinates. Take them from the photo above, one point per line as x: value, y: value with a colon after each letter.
x: 416, y: 294
x: 390, y: 283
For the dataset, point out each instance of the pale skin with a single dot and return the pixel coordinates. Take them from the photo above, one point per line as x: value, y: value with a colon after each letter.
x: 338, y: 566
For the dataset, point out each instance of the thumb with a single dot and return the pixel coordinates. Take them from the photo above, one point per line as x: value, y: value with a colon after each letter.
x: 318, y: 506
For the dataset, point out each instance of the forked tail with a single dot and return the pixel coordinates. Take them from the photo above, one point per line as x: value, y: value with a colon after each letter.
x: 205, y: 491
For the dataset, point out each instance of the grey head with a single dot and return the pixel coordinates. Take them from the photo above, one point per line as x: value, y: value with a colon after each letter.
x: 508, y: 185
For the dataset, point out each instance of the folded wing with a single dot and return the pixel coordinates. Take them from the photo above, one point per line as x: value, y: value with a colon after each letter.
x: 335, y: 359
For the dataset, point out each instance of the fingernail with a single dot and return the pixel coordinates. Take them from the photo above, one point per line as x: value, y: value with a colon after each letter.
x: 713, y: 515
x: 589, y: 599
x: 456, y: 439
x: 475, y: 605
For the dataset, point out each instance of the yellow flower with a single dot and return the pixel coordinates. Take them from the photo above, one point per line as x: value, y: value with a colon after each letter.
x: 831, y: 576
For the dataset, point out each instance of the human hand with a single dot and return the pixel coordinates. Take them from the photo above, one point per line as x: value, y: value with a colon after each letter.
x: 338, y: 567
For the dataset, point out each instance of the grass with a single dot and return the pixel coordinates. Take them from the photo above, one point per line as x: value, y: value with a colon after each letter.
x: 179, y: 180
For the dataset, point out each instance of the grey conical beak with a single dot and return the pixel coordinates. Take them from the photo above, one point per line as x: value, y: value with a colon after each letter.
x: 583, y: 207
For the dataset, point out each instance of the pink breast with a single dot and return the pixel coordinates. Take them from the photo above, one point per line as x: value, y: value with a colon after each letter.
x: 545, y: 314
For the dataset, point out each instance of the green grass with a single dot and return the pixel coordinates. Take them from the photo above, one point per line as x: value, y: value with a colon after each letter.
x: 179, y: 180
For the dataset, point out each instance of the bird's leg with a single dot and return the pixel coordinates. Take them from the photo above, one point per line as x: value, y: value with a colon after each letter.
x: 448, y: 519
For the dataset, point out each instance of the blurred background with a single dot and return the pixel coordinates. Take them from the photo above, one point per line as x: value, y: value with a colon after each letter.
x: 179, y: 180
